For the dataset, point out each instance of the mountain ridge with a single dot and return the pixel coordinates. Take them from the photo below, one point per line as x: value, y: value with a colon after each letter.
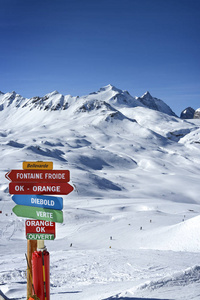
x: 109, y: 93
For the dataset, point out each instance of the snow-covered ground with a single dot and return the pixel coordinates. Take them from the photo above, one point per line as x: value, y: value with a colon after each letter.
x: 133, y: 218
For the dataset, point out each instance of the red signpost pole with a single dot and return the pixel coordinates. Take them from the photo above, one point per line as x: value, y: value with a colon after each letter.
x: 31, y: 247
x: 41, y: 271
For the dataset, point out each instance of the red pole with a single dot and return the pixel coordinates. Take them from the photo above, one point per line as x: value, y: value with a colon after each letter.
x: 31, y: 247
x: 41, y: 274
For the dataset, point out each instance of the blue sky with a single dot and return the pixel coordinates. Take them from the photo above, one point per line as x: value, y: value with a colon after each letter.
x: 78, y: 46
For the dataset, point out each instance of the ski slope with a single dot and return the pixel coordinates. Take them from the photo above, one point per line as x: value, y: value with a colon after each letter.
x: 133, y: 217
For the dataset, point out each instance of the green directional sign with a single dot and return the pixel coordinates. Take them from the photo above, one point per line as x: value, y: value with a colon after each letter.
x: 39, y: 213
x: 40, y: 236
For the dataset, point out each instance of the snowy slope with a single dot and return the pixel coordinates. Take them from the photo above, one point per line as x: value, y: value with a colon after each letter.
x: 133, y: 218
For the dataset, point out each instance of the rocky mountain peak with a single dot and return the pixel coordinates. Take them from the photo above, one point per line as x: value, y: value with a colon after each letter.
x: 197, y: 114
x: 187, y: 113
x: 146, y: 95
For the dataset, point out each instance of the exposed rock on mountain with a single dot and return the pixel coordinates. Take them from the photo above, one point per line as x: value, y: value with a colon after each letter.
x: 197, y: 114
x: 11, y: 99
x: 187, y: 113
x: 155, y: 104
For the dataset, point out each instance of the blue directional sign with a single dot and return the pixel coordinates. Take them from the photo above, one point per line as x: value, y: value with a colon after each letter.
x: 39, y: 201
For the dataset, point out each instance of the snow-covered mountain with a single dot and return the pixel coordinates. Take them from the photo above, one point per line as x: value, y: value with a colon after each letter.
x: 109, y: 94
x: 133, y: 217
x: 190, y: 113
x: 156, y: 104
x: 187, y: 113
x: 197, y: 114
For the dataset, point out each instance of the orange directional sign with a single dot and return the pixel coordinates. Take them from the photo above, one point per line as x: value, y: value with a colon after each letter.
x: 38, y: 175
x: 36, y: 165
x: 37, y: 188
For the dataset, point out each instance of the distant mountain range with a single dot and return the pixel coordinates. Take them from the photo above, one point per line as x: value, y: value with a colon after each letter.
x: 108, y: 95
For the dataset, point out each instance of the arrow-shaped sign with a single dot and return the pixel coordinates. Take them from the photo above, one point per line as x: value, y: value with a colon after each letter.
x: 38, y: 175
x: 29, y: 188
x: 39, y: 201
x: 39, y: 213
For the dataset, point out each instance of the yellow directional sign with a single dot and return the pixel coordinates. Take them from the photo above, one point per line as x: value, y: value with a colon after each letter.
x: 38, y: 165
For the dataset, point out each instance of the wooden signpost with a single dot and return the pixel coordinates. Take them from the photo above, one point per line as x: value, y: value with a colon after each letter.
x: 29, y: 188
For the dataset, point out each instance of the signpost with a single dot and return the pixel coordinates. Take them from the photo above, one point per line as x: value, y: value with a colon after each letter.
x: 46, y: 228
x: 38, y: 175
x: 39, y: 213
x: 36, y: 165
x: 40, y: 236
x: 39, y: 201
x: 28, y: 188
